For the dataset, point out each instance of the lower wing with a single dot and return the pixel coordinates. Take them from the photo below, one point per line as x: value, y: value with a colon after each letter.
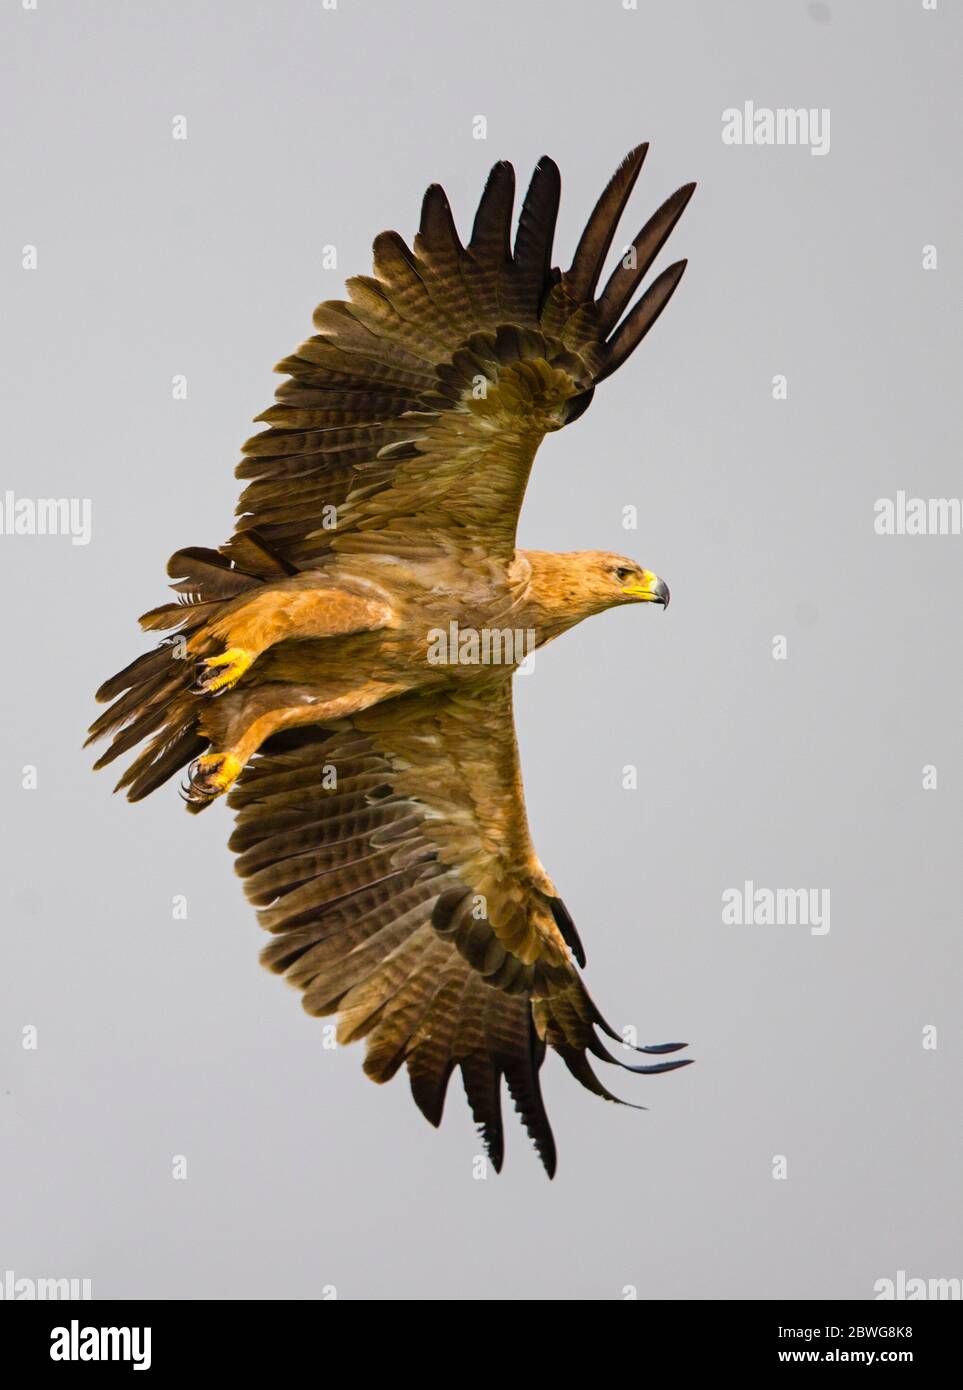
x: 392, y: 863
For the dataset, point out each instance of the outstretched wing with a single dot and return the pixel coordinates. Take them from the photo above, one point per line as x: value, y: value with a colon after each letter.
x: 391, y: 860
x: 412, y: 418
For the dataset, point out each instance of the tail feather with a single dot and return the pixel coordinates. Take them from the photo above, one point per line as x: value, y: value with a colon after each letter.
x: 141, y: 669
x: 149, y: 772
x: 147, y: 722
x: 152, y: 694
x: 170, y: 615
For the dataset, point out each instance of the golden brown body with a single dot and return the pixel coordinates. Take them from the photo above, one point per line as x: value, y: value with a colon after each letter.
x: 331, y: 644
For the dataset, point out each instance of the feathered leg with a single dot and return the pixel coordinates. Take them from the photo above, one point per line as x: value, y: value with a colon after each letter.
x: 240, y: 723
x: 297, y: 609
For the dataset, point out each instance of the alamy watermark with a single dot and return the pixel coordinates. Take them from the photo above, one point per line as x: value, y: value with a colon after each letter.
x: 46, y: 516
x: 15, y: 1287
x: 915, y: 1290
x: 918, y: 516
x: 750, y: 906
x: 487, y: 646
x: 784, y: 125
x: 77, y: 1343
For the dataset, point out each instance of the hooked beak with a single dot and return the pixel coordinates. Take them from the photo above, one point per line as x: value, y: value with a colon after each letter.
x: 650, y: 589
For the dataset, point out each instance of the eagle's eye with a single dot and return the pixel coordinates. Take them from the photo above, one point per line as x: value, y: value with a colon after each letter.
x: 622, y: 573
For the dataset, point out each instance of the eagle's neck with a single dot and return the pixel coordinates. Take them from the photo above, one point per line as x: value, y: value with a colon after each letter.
x: 551, y: 591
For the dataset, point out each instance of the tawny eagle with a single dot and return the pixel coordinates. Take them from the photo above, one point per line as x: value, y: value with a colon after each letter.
x: 381, y: 828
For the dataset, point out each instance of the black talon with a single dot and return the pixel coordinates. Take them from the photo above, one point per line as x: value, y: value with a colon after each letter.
x: 204, y: 675
x: 199, y: 789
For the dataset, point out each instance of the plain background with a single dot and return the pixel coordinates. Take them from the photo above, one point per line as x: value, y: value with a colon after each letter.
x: 160, y: 1037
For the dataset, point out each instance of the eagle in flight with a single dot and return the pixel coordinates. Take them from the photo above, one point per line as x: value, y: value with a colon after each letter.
x: 381, y: 829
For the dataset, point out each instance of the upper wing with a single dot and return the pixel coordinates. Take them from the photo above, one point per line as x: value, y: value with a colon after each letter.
x: 392, y: 861
x: 413, y: 416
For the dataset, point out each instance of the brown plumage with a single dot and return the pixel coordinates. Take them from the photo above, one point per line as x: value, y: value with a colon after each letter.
x: 360, y: 632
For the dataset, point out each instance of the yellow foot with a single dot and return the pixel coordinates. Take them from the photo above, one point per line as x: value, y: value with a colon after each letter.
x: 219, y: 673
x: 209, y: 777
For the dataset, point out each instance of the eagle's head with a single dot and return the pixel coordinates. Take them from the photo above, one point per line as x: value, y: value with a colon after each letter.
x: 608, y: 580
x: 573, y: 586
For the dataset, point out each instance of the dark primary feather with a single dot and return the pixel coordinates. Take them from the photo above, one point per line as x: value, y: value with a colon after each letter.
x: 568, y: 929
x: 535, y: 236
x: 597, y: 237
x: 491, y: 237
x: 625, y: 279
x: 641, y: 318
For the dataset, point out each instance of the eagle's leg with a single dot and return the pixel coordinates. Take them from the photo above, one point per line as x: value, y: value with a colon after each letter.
x: 227, y: 647
x: 244, y: 719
